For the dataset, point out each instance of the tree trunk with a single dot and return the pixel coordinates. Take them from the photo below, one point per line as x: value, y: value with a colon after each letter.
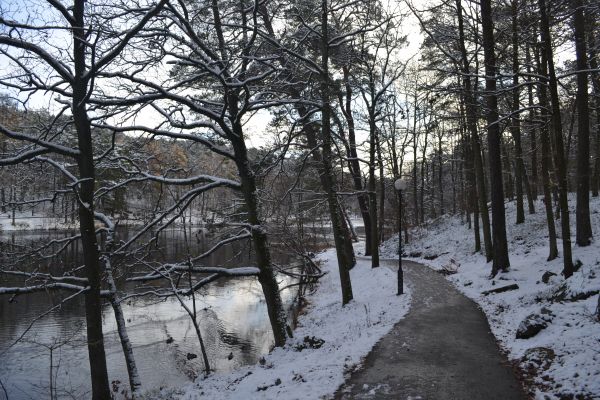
x: 583, y: 235
x: 593, y: 50
x: 372, y: 184
x: 91, y: 256
x: 559, y: 152
x: 310, y: 132
x: 471, y: 203
x: 381, y: 190
x: 515, y: 128
x: 474, y: 137
x: 135, y: 382
x: 453, y: 178
x: 440, y: 175
x: 546, y: 160
x: 532, y: 135
x: 500, y: 261
x: 423, y: 176
x: 415, y: 156
x: 351, y: 229
x: 344, y: 264
x: 324, y: 167
x: 266, y: 276
x: 508, y: 183
x: 353, y: 163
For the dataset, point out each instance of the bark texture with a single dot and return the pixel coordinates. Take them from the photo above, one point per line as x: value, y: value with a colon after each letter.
x: 500, y: 260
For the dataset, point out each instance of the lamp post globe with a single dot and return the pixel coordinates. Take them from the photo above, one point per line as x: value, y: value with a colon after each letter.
x: 400, y: 184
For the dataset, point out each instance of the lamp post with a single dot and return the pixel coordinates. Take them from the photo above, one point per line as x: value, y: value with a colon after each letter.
x: 400, y: 185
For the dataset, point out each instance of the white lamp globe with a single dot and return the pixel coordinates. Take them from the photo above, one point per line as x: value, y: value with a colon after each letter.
x: 400, y: 184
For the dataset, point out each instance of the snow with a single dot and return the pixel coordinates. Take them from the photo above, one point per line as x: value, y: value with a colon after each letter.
x: 329, y: 342
x: 25, y: 221
x: 42, y: 220
x: 564, y: 358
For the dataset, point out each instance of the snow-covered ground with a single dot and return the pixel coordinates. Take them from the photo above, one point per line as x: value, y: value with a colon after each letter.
x: 25, y: 221
x: 329, y: 342
x: 562, y: 361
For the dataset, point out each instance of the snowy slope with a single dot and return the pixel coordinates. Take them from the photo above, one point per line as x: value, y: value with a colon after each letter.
x: 303, y: 371
x: 24, y: 221
x: 562, y: 360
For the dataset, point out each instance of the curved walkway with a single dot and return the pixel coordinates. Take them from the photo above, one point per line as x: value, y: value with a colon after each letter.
x: 443, y: 349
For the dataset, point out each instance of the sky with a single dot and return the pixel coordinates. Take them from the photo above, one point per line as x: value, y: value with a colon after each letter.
x: 410, y: 27
x: 257, y: 134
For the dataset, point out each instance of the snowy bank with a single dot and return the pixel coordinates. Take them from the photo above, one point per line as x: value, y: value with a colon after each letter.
x: 561, y: 357
x: 25, y: 222
x: 329, y: 342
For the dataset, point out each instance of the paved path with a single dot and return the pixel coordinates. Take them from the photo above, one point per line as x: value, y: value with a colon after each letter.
x: 443, y: 349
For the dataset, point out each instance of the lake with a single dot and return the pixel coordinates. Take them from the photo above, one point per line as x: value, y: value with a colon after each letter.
x: 232, y: 316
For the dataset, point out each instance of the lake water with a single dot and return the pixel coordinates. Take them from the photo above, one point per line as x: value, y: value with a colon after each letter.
x: 232, y: 316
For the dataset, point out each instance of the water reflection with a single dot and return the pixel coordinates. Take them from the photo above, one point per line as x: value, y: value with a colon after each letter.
x: 232, y: 316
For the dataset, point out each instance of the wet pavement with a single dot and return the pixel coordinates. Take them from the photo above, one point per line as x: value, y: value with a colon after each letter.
x: 443, y: 349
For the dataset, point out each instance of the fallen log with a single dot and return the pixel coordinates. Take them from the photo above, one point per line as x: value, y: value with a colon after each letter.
x: 501, y: 289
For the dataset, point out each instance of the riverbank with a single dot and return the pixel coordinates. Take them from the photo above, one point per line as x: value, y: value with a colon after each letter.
x: 329, y: 342
x: 559, y: 359
x: 27, y: 222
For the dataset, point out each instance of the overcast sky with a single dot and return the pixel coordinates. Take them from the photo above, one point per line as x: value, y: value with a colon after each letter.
x: 255, y: 127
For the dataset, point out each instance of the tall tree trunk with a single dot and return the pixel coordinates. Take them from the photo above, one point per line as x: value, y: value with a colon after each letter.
x: 583, y: 235
x: 559, y: 152
x: 353, y: 163
x: 515, y: 127
x: 372, y: 183
x: 135, y: 382
x: 501, y: 261
x: 258, y: 231
x: 91, y: 255
x: 453, y: 178
x: 507, y: 166
x: 344, y: 263
x: 528, y: 190
x: 474, y: 137
x: 572, y: 118
x: 324, y: 167
x: 415, y: 167
x: 593, y: 50
x: 424, y: 171
x: 396, y: 164
x: 381, y: 190
x: 471, y: 203
x: 546, y: 159
x: 266, y: 276
x: 353, y: 234
x: 532, y: 135
x: 440, y: 175
x: 310, y: 130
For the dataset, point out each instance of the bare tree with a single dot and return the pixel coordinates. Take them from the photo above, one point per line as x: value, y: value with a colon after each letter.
x: 500, y: 260
x: 556, y: 126
x: 584, y: 226
x: 72, y: 71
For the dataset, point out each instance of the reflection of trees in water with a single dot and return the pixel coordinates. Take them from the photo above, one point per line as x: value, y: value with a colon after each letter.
x: 171, y: 246
x: 53, y: 351
x: 53, y: 346
x: 233, y: 326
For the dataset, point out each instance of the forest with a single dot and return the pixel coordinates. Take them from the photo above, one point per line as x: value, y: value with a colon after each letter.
x: 155, y: 151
